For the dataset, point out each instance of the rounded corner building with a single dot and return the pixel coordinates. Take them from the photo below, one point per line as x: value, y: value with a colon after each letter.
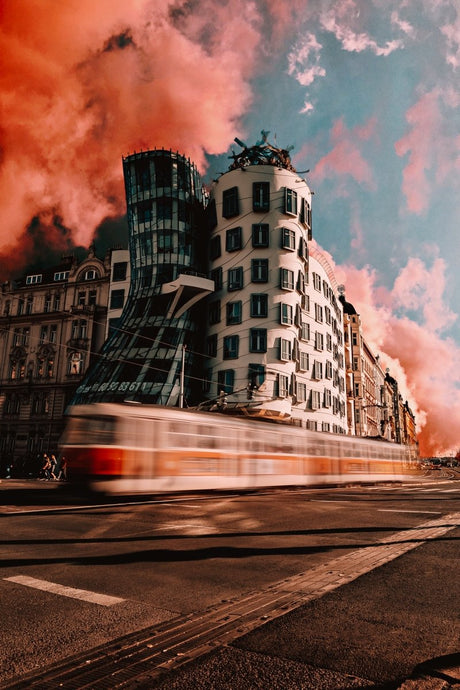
x: 160, y: 331
x: 275, y: 322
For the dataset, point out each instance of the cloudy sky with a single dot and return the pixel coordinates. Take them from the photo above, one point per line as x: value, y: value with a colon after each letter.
x: 367, y: 92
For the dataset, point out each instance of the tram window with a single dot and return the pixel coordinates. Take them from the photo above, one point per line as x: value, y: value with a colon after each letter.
x: 287, y: 444
x: 179, y: 435
x: 90, y: 431
x: 207, y: 437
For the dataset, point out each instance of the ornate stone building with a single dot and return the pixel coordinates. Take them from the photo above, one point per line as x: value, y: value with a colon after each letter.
x: 52, y: 322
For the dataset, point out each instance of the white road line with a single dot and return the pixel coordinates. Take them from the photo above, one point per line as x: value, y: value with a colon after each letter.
x: 419, y: 512
x: 53, y: 588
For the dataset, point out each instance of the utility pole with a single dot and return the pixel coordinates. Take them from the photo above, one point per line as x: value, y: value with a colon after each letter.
x: 181, y: 396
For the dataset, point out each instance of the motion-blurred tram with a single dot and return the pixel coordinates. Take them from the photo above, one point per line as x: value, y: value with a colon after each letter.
x: 129, y: 448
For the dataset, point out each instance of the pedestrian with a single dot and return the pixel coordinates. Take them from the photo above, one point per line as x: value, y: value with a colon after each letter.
x: 53, y: 463
x: 46, y: 466
x: 63, y: 469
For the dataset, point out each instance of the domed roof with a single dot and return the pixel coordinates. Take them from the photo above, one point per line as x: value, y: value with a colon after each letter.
x: 348, y: 308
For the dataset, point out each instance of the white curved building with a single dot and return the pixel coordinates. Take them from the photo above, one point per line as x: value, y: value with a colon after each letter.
x: 275, y: 324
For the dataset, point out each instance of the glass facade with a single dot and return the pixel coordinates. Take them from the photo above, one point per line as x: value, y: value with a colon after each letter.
x: 141, y: 359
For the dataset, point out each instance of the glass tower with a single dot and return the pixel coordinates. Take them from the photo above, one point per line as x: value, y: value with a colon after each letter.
x: 160, y: 329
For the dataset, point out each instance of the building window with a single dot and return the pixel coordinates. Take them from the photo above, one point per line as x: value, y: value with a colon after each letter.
x: 282, y: 386
x: 304, y: 361
x: 305, y: 212
x: 259, y: 305
x: 327, y: 399
x: 214, y: 248
x: 29, y: 305
x: 301, y: 282
x: 301, y: 392
x: 43, y: 335
x: 234, y: 239
x: 20, y: 309
x: 230, y: 206
x: 211, y: 346
x: 258, y: 340
x: 286, y: 314
x: 165, y: 240
x: 33, y: 280
x: 317, y: 370
x: 119, y: 271
x: 285, y: 350
x: 319, y: 341
x: 329, y: 341
x: 318, y: 313
x: 163, y: 173
x: 117, y: 299
x: 226, y: 380
x: 260, y: 235
x: 164, y: 209
x: 290, y: 202
x: 256, y: 375
x: 53, y: 333
x: 303, y: 249
x: 75, y: 364
x: 25, y: 336
x: 90, y: 274
x: 235, y: 278
x: 92, y: 297
x: 214, y: 312
x: 288, y: 239
x: 259, y: 270
x: 61, y: 275
x: 260, y: 196
x: 305, y: 331
x: 216, y: 276
x: 145, y: 212
x: 81, y: 300
x: 315, y: 400
x: 234, y: 312
x: 57, y: 302
x: 79, y: 329
x: 328, y: 370
x: 286, y: 279
x: 231, y: 346
x: 317, y: 282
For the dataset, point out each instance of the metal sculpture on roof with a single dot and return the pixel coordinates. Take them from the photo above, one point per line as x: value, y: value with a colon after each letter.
x: 262, y: 153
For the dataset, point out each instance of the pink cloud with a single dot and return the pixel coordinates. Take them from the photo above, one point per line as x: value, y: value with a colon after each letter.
x: 345, y: 158
x: 426, y: 366
x: 419, y: 289
x: 424, y: 120
x: 83, y: 84
x: 429, y: 146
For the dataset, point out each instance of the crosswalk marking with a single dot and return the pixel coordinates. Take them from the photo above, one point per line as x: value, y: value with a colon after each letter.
x: 62, y: 590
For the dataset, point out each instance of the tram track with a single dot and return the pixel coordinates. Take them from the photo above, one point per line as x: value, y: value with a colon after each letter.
x: 152, y: 652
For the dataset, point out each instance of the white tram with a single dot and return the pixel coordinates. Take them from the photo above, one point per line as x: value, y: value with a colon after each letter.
x: 129, y: 448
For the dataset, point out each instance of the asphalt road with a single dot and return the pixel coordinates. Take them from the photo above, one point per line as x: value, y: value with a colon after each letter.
x: 73, y: 577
